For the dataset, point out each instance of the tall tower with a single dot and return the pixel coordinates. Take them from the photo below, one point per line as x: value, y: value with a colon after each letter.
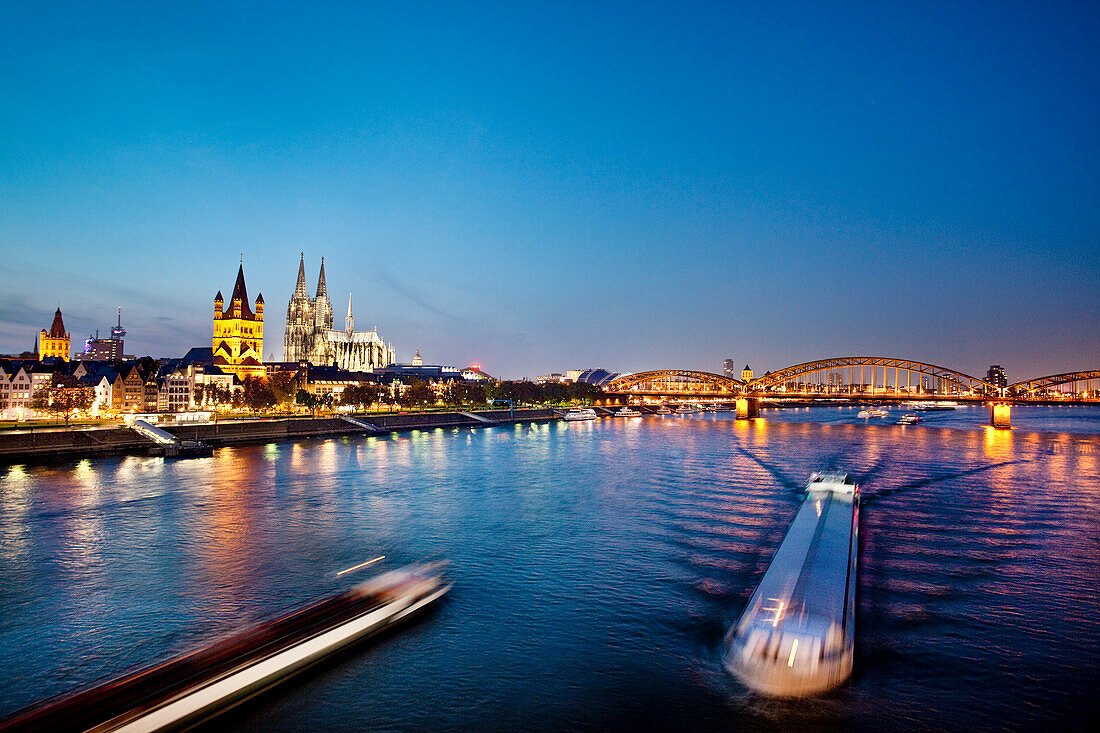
x: 298, y: 340
x: 238, y: 340
x: 349, y: 321
x: 322, y: 309
x: 54, y: 342
x: 118, y: 332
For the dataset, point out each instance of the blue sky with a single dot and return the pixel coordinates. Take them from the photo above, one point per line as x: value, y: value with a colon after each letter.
x: 542, y: 187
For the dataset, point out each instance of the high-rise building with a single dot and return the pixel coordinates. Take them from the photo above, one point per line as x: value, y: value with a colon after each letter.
x: 996, y: 376
x: 729, y: 368
x: 310, y: 335
x: 97, y: 349
x: 238, y: 340
x: 54, y: 342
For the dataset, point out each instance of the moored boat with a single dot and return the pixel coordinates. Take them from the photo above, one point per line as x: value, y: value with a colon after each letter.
x: 936, y: 406
x: 795, y: 636
x: 580, y: 413
x: 663, y: 410
x: 628, y: 412
x: 687, y: 410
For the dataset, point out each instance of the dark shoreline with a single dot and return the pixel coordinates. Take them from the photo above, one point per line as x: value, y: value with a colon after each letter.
x: 52, y: 445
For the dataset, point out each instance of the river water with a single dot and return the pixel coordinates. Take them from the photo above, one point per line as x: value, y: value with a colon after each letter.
x: 596, y: 568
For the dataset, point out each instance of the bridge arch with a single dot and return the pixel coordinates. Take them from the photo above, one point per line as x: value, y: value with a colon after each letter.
x: 936, y: 374
x: 664, y: 382
x: 1053, y: 380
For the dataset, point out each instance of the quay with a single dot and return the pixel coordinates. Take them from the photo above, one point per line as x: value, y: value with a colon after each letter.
x: 46, y: 444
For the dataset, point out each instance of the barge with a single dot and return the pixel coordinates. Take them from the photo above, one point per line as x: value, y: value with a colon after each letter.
x: 190, y: 688
x: 796, y: 635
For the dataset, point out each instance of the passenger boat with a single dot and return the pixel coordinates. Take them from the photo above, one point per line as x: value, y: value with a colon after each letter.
x: 628, y: 412
x: 190, y: 688
x: 663, y: 410
x: 687, y: 410
x: 581, y: 413
x: 936, y: 406
x: 877, y: 412
x: 908, y: 420
x: 795, y: 637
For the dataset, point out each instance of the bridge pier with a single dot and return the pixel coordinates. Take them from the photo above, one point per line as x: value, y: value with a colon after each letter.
x: 747, y: 407
x: 1000, y: 415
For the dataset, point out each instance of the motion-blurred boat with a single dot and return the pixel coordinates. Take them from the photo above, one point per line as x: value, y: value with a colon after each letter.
x: 190, y: 688
x: 795, y: 637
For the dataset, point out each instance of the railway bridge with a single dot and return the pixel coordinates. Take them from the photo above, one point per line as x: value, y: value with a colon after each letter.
x: 854, y: 377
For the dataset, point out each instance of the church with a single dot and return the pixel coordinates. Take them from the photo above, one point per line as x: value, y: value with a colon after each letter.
x: 238, y: 339
x: 311, y: 337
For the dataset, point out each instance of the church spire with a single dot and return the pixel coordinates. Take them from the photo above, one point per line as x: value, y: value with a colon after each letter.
x: 350, y: 320
x: 300, y: 289
x: 322, y: 291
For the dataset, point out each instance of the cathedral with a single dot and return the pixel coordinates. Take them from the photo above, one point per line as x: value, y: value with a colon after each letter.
x: 310, y: 335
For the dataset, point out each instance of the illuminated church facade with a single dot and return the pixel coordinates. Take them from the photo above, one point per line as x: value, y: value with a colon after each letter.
x: 310, y: 335
x: 238, y: 340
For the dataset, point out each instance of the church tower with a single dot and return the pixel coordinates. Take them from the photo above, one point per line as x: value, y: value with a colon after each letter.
x: 54, y: 342
x: 298, y: 341
x: 238, y: 339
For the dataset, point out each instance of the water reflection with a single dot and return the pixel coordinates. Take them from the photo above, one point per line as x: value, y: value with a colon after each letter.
x: 593, y: 561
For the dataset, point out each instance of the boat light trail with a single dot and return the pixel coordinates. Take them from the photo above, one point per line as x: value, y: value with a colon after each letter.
x: 360, y: 565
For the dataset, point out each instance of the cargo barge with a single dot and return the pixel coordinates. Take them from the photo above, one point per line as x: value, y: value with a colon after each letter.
x: 796, y: 635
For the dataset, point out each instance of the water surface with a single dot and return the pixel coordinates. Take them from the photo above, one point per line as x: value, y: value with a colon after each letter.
x: 597, y: 567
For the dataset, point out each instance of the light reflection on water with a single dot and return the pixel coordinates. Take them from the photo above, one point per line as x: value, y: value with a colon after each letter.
x: 597, y: 567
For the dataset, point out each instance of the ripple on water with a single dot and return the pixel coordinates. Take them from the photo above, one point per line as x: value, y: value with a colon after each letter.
x: 596, y: 570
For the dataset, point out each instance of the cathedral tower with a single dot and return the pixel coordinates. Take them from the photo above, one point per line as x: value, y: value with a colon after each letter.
x: 322, y: 309
x: 298, y: 341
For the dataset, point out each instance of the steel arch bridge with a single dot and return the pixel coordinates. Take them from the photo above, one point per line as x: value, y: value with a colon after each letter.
x: 930, y: 377
x: 675, y: 382
x: 1044, y: 384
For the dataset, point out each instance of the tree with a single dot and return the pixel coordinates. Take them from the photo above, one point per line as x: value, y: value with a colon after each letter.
x: 282, y: 386
x: 61, y: 401
x: 361, y: 395
x: 197, y: 393
x: 308, y: 400
x: 257, y: 395
x: 416, y: 394
x: 459, y: 392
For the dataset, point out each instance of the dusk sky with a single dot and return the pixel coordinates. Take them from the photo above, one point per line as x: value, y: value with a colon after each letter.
x: 544, y: 187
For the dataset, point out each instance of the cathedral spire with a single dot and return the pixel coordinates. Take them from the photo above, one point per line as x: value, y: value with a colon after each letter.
x: 322, y: 291
x: 350, y: 320
x: 300, y: 289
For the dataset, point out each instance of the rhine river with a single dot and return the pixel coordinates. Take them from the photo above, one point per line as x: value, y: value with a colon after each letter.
x: 596, y: 568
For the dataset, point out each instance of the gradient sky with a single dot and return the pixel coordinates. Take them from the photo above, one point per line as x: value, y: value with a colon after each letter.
x: 543, y: 187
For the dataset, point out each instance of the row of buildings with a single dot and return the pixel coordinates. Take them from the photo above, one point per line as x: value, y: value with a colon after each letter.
x: 316, y: 358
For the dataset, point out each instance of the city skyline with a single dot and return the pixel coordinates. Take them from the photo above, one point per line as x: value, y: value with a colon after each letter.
x: 541, y: 192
